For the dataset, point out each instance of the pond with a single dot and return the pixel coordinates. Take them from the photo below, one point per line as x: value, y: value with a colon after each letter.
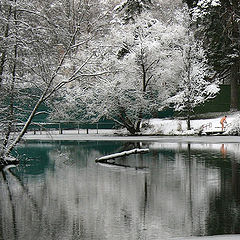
x: 175, y: 190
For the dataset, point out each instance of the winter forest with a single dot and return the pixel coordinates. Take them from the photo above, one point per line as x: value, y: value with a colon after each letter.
x: 120, y: 60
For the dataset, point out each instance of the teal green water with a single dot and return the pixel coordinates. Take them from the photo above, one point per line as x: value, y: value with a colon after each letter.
x: 59, y: 192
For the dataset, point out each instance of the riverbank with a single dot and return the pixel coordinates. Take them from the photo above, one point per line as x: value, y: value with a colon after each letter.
x: 109, y: 135
x: 153, y: 130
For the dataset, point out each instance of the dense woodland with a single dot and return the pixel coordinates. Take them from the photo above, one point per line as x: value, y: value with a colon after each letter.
x: 112, y: 59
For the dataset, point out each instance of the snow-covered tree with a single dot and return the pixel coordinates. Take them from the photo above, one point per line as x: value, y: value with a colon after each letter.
x: 39, y: 39
x: 234, y: 127
x: 195, y: 86
x: 143, y: 59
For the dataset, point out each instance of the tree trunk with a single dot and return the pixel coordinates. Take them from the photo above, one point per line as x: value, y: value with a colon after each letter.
x: 138, y: 124
x: 234, y: 36
x: 25, y: 127
x: 10, y: 118
x: 188, y: 122
x: 234, y: 87
x: 11, y: 106
x: 3, y: 57
x: 126, y: 122
x: 132, y: 130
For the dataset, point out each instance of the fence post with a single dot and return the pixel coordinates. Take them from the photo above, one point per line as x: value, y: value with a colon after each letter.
x: 97, y: 128
x: 60, y: 129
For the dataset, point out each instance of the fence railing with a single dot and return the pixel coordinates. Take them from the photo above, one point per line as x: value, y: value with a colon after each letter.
x: 61, y: 126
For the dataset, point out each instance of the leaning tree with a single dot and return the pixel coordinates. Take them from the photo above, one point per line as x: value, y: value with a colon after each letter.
x: 45, y: 45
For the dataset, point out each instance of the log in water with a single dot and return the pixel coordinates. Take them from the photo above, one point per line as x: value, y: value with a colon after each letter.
x: 121, y: 154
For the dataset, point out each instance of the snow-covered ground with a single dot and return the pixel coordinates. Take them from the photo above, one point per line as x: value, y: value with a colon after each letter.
x: 179, y: 127
x: 166, y: 130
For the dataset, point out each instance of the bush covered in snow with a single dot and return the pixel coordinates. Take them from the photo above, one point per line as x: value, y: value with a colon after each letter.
x: 234, y: 127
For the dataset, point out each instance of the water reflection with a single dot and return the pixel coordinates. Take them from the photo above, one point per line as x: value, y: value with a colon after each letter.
x: 59, y: 192
x: 223, y: 150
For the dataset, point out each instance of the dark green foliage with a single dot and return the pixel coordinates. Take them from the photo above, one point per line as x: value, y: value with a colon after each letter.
x: 218, y: 29
x: 123, y: 51
x: 221, y: 103
x: 218, y: 26
x: 217, y: 42
x: 132, y: 8
x: 190, y: 3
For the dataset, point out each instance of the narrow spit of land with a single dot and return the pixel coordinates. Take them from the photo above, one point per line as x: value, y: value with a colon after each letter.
x: 108, y: 135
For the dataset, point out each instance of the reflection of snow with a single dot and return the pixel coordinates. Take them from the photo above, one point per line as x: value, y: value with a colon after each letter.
x: 184, y: 193
x: 177, y: 196
x: 213, y: 179
x: 230, y: 148
x: 85, y: 200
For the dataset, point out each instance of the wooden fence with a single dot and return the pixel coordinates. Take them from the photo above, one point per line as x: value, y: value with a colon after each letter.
x: 61, y: 126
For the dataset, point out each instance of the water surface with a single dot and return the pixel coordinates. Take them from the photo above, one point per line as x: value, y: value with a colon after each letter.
x: 175, y: 190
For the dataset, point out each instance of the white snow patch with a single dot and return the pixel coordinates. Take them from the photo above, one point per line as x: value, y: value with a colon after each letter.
x: 179, y: 127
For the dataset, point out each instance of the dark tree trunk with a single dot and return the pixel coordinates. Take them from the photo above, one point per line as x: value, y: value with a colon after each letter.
x: 126, y: 121
x: 234, y: 35
x: 132, y: 130
x: 188, y: 122
x: 3, y: 57
x: 234, y: 87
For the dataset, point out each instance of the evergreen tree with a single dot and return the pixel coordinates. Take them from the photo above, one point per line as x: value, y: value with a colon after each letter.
x: 218, y: 23
x: 129, y: 9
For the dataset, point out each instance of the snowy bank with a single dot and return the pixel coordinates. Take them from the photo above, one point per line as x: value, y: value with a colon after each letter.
x: 179, y: 127
x: 153, y: 130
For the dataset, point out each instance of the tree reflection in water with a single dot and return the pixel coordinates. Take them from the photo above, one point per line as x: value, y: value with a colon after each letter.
x: 174, y: 190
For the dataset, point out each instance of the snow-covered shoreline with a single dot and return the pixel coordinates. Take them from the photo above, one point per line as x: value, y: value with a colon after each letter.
x: 160, y: 130
x: 178, y: 127
x: 108, y: 135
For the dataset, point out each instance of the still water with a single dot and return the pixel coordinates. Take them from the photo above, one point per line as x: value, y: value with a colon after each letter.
x: 175, y: 190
